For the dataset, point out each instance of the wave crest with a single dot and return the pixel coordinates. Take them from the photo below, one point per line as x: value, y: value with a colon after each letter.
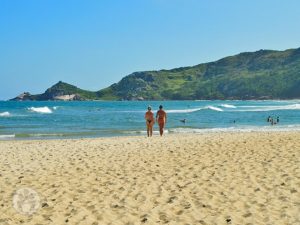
x: 228, y: 106
x: 7, y: 136
x: 4, y: 114
x: 40, y: 109
x: 269, y: 108
x: 214, y: 108
x: 183, y: 110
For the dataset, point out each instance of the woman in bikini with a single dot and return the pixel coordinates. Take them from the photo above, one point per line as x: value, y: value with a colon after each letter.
x: 149, y: 117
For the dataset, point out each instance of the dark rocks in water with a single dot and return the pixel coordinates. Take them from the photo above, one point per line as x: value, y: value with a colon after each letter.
x: 26, y: 96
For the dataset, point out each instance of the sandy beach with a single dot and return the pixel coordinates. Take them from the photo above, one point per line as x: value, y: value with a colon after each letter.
x: 217, y: 178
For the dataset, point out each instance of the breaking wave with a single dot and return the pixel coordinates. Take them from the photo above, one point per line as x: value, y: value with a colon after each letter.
x: 295, y: 127
x: 7, y: 136
x: 4, y: 114
x: 214, y: 108
x: 269, y: 108
x: 40, y: 109
x: 228, y: 106
x: 183, y: 110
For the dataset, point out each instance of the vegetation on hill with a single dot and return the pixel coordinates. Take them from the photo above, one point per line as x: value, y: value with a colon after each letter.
x: 62, y: 88
x: 263, y: 74
x: 58, y: 90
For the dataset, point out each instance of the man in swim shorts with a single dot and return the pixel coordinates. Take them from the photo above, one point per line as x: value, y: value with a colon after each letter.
x: 161, y: 118
x: 149, y: 117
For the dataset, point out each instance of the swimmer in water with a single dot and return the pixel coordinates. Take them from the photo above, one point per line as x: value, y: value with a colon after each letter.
x: 149, y: 117
x: 183, y: 121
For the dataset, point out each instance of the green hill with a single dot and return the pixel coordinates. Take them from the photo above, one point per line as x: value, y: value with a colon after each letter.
x: 263, y: 74
x: 58, y: 92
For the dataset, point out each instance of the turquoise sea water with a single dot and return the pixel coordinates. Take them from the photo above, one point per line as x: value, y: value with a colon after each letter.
x: 22, y: 120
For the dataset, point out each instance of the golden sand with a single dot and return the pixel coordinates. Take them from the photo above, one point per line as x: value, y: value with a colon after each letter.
x: 220, y: 178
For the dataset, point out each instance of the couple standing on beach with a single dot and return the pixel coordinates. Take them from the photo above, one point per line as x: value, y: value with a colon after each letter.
x: 161, y: 118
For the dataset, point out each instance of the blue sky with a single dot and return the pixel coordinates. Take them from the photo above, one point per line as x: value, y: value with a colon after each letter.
x: 93, y: 44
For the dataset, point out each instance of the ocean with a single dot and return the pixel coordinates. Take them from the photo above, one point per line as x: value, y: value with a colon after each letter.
x: 47, y: 120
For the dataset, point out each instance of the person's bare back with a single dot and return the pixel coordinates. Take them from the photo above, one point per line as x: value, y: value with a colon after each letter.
x: 161, y: 118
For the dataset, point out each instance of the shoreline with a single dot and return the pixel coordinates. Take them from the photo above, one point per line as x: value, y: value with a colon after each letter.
x: 40, y: 137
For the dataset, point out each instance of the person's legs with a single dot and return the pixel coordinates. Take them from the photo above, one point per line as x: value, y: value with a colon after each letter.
x: 161, y: 128
x: 151, y: 129
x: 148, y: 129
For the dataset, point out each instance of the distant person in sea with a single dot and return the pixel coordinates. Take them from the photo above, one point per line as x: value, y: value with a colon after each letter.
x: 183, y: 121
x: 161, y: 118
x: 269, y: 119
x: 273, y: 122
x: 149, y: 117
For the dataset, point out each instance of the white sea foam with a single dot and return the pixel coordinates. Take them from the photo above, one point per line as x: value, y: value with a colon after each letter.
x: 228, y: 106
x: 44, y: 135
x: 214, y: 108
x: 182, y: 130
x: 129, y: 111
x: 40, y: 109
x: 5, y: 114
x: 295, y: 127
x: 155, y: 132
x: 6, y: 136
x: 199, y: 130
x: 183, y: 110
x: 269, y: 108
